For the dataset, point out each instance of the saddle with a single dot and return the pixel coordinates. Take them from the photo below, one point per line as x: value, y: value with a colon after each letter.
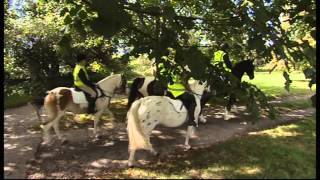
x: 97, y: 90
x: 79, y: 96
x: 177, y: 104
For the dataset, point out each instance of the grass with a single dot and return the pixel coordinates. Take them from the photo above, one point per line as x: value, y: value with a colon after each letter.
x: 296, y: 104
x: 287, y: 151
x: 16, y: 100
x: 273, y: 84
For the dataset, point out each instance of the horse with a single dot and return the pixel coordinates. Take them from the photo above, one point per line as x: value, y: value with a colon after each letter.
x: 62, y: 99
x: 238, y: 71
x: 149, y: 86
x: 145, y: 86
x: 148, y: 112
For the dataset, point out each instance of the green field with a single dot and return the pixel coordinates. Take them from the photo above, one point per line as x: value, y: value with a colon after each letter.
x: 273, y: 84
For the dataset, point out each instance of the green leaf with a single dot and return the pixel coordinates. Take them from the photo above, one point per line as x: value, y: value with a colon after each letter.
x: 65, y: 44
x: 82, y: 14
x: 67, y: 19
x: 79, y: 27
x: 169, y: 12
x: 64, y: 11
x: 73, y: 10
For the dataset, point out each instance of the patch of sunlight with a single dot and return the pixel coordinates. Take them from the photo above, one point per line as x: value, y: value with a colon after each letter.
x: 100, y: 163
x: 83, y: 118
x: 15, y: 136
x: 10, y: 146
x: 282, y: 131
x: 7, y: 168
x: 212, y: 172
x: 140, y: 173
x: 249, y: 170
x: 26, y: 148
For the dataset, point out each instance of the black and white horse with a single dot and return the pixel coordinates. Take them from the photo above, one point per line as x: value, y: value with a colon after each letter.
x: 145, y: 86
x: 148, y: 112
x: 149, y: 86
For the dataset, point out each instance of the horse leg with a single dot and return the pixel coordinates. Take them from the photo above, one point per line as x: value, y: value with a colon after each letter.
x: 152, y: 151
x: 228, y: 108
x: 110, y: 113
x: 46, y: 128
x: 131, y: 157
x: 96, y: 122
x: 56, y: 127
x: 46, y: 134
x: 233, y: 103
x: 188, y: 134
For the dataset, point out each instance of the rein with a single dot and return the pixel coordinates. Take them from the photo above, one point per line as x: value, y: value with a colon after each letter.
x: 103, y: 93
x: 195, y: 93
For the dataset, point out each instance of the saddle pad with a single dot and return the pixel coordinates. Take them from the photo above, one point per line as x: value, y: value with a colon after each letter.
x: 78, y: 97
x: 178, y: 105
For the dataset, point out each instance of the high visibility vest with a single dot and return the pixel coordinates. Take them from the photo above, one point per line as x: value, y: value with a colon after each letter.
x: 176, y: 89
x: 76, y: 79
x: 218, y: 57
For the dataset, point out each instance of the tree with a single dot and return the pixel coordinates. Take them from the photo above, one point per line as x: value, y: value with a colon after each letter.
x: 175, y: 34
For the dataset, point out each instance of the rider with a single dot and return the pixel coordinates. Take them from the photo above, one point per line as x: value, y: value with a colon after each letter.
x: 222, y: 55
x: 178, y: 91
x: 81, y: 81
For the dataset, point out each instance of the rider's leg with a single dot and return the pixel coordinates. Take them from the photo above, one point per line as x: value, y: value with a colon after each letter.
x: 91, y: 98
x: 190, y: 103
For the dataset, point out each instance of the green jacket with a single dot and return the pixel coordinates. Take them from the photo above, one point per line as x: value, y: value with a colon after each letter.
x: 176, y: 89
x: 76, y: 78
x: 218, y: 57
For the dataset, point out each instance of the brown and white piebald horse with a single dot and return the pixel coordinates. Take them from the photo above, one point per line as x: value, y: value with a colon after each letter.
x: 62, y: 99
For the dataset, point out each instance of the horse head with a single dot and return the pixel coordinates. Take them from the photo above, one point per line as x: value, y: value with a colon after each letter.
x: 198, y: 87
x: 122, y: 84
x: 250, y: 68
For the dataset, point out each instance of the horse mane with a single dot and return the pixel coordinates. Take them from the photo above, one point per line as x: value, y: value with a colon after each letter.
x: 242, y: 62
x: 109, y: 77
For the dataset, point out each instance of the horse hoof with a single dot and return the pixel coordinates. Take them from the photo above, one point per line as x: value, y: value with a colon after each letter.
x: 226, y: 117
x: 130, y: 165
x: 97, y: 137
x: 47, y: 143
x: 202, y: 119
x: 187, y: 147
x: 64, y: 141
x: 155, y: 153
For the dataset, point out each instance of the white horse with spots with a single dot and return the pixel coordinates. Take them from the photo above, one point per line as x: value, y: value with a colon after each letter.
x: 146, y: 113
x: 62, y: 99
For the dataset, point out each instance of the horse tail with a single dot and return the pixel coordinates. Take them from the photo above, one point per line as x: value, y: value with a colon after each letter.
x: 50, y: 105
x: 137, y: 138
x: 134, y: 93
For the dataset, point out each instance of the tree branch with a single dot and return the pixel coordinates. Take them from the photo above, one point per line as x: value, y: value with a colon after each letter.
x: 153, y: 13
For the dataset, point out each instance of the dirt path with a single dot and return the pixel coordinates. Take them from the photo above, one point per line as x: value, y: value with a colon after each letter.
x: 82, y: 158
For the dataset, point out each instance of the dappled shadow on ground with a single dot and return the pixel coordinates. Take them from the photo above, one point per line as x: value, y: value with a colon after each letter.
x: 20, y: 141
x: 287, y: 152
x: 83, y: 158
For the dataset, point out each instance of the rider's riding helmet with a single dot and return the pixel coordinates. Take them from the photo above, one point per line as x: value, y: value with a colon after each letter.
x: 224, y: 46
x: 80, y: 57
